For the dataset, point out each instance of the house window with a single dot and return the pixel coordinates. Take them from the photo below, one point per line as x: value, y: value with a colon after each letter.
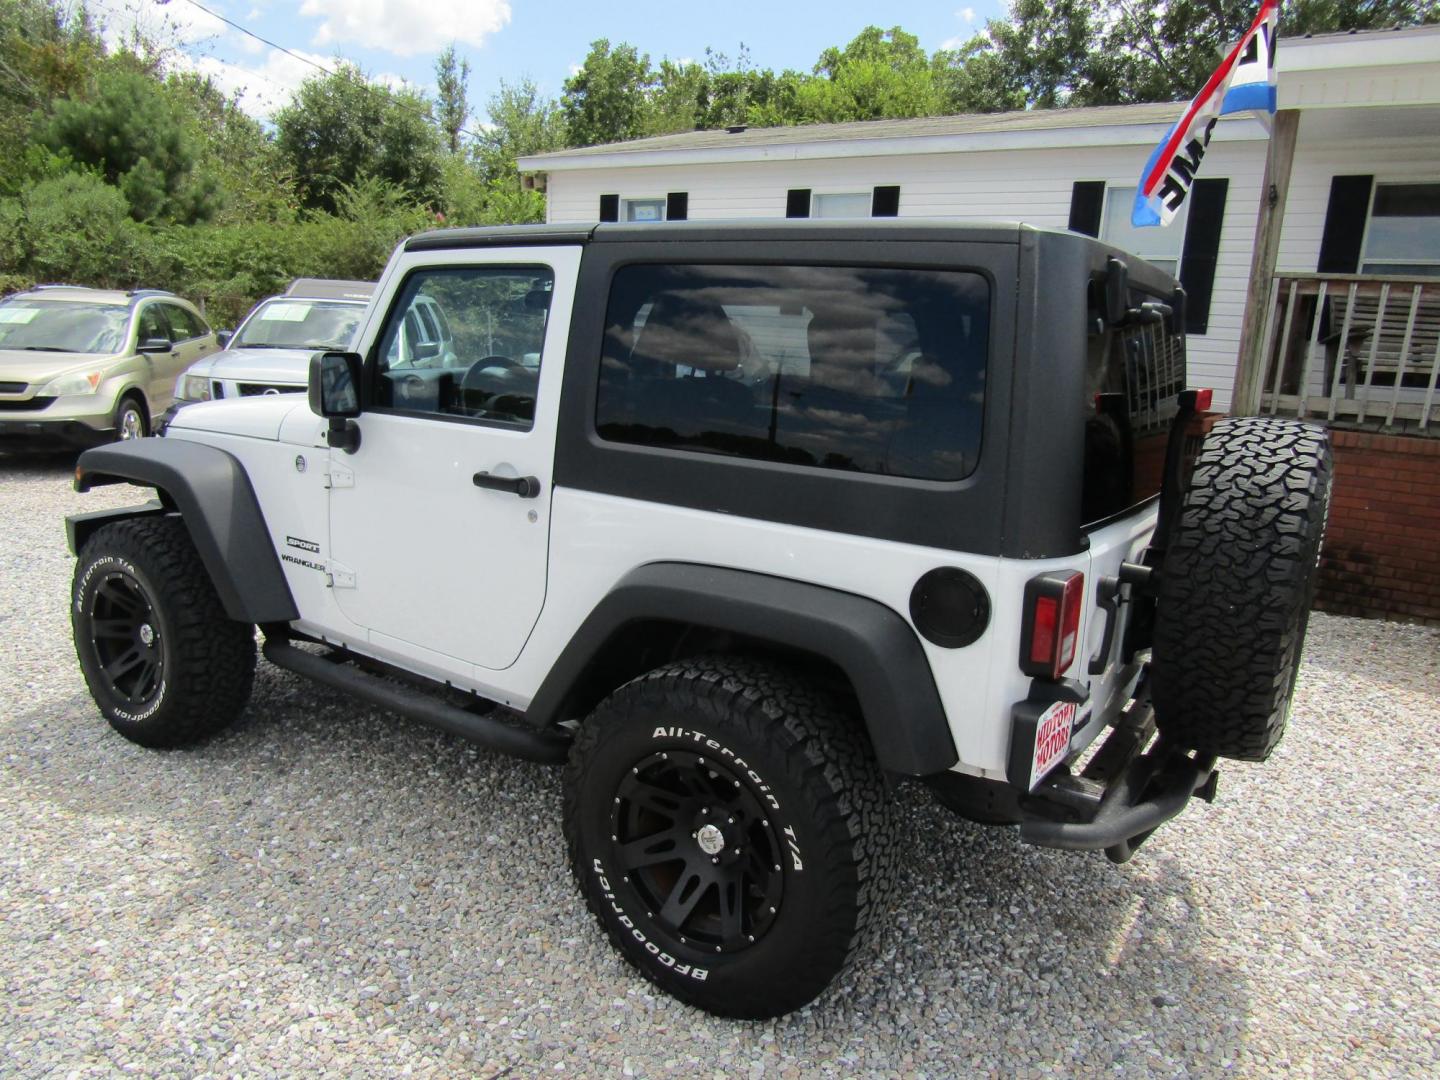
x: 844, y: 205
x: 644, y: 209
x: 1160, y: 245
x: 1404, y: 232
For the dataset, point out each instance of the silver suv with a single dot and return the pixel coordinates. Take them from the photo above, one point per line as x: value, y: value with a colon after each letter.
x: 270, y: 353
x: 84, y: 366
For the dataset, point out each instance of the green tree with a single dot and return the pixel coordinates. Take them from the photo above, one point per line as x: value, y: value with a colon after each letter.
x: 78, y: 228
x: 1064, y: 54
x: 522, y: 122
x: 341, y: 128
x: 233, y: 150
x: 606, y: 100
x: 132, y: 134
x: 452, y: 79
x: 678, y: 99
x: 1160, y: 51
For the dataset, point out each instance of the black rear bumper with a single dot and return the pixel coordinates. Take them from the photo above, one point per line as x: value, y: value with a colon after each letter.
x: 1122, y: 795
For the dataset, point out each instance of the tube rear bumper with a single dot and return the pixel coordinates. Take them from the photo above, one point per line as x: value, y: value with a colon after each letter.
x: 1123, y: 794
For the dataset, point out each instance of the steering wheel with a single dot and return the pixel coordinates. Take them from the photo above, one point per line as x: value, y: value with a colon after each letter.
x: 496, y: 361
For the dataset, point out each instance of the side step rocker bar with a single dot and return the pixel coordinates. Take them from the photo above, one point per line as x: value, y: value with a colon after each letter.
x: 548, y: 747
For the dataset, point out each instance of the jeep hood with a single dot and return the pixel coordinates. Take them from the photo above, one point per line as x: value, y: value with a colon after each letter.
x: 255, y: 417
x: 17, y: 365
x: 258, y: 365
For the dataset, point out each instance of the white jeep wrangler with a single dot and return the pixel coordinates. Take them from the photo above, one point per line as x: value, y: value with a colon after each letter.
x: 746, y: 523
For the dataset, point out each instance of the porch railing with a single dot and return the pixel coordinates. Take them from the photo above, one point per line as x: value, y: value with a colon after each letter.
x: 1355, y: 350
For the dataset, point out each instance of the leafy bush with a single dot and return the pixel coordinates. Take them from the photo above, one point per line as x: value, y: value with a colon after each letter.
x: 77, y: 228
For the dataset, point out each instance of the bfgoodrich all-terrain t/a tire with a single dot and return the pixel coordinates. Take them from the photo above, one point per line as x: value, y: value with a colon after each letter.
x: 163, y: 662
x: 1236, y: 586
x: 729, y: 827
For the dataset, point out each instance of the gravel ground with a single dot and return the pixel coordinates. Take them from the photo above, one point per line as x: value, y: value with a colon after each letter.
x: 330, y: 889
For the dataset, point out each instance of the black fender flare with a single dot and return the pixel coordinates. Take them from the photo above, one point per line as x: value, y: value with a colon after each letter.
x: 212, y: 492
x: 872, y: 644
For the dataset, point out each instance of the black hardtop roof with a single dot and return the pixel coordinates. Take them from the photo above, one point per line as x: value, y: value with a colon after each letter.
x: 910, y: 230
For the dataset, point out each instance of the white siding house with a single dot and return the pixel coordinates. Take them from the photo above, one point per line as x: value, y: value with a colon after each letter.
x: 1368, y: 109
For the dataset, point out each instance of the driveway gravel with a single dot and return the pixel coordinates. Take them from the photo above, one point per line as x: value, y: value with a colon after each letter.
x: 330, y: 889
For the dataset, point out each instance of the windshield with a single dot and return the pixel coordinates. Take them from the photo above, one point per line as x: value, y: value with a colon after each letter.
x: 61, y: 326
x: 300, y: 324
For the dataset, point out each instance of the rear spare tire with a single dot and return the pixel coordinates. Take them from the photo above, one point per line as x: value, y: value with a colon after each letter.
x: 1237, y: 582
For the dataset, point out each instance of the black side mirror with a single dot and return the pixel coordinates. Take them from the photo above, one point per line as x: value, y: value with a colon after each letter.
x: 334, y: 386
x: 154, y: 345
x: 426, y: 350
x: 334, y: 393
x: 222, y: 337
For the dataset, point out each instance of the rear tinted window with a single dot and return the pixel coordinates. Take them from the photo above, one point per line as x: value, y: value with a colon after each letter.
x: 1133, y: 377
x: 856, y: 368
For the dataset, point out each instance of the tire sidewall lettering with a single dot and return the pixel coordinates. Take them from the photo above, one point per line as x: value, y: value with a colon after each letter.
x: 98, y: 569
x: 602, y: 879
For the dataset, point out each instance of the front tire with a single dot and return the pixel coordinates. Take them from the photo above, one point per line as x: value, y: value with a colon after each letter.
x: 163, y: 662
x: 131, y: 420
x: 729, y: 827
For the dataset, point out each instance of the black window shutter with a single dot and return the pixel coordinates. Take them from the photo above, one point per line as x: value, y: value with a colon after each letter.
x: 797, y: 202
x: 885, y: 202
x: 609, y: 207
x: 677, y: 206
x: 1202, y: 247
x: 1087, y: 200
x: 1345, y: 224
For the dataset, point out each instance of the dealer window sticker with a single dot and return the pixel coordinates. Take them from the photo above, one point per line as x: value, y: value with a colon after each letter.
x: 284, y: 313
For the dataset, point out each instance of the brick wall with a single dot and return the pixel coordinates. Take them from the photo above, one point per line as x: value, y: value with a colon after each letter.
x: 1382, y: 551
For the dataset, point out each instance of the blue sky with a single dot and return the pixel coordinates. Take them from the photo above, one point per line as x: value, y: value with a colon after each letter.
x: 397, y: 40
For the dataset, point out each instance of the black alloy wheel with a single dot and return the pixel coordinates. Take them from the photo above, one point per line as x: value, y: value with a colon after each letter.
x: 729, y: 827
x: 701, y: 852
x: 124, y: 639
x: 164, y: 662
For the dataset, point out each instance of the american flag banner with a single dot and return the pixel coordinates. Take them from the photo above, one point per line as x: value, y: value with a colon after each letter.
x: 1245, y: 80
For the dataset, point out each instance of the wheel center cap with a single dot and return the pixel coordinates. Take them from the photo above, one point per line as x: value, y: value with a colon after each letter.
x: 147, y: 635
x: 710, y: 839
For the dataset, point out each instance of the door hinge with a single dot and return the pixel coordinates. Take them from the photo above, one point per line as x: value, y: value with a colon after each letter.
x: 337, y: 476
x: 339, y: 577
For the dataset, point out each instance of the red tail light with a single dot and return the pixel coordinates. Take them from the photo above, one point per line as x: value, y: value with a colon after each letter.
x: 1051, y: 630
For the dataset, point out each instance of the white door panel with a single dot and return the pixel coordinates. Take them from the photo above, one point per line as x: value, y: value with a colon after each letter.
x: 441, y: 566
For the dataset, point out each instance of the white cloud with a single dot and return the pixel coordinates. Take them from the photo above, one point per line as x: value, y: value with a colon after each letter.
x: 264, y: 88
x: 954, y: 42
x: 966, y: 15
x: 166, y: 24
x: 402, y: 28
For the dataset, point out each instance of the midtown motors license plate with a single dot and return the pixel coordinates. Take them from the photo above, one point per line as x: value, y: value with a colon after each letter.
x: 1052, y: 739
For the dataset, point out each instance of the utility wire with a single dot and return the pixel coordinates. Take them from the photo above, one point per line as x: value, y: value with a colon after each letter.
x: 401, y: 102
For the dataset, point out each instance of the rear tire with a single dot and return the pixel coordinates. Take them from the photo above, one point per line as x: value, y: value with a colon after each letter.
x: 729, y: 827
x: 163, y: 661
x: 1237, y: 584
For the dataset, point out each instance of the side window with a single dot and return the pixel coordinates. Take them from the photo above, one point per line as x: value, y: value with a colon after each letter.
x: 151, y: 324
x: 856, y: 368
x: 1133, y: 378
x: 465, y: 342
x: 183, y: 325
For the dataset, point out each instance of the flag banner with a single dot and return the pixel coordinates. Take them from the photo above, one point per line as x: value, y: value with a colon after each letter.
x: 1244, y: 81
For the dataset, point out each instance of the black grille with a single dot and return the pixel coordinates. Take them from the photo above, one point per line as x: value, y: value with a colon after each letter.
x: 29, y: 405
x: 13, y: 387
x: 256, y: 389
